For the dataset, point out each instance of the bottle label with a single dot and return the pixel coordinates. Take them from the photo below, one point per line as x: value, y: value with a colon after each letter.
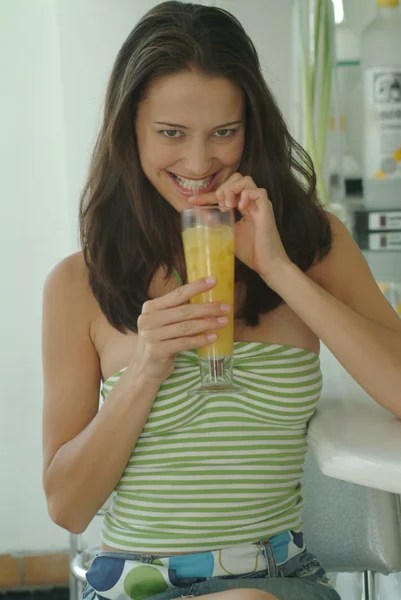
x: 382, y: 144
x: 385, y: 220
x: 384, y: 241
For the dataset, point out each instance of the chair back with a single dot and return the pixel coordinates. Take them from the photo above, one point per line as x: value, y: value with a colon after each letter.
x: 348, y: 526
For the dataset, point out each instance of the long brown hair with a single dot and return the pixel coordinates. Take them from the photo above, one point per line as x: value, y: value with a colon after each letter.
x: 128, y: 230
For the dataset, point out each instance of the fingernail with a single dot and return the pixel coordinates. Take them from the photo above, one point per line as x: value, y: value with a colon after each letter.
x: 212, y: 337
x: 210, y: 280
x: 225, y: 307
x: 222, y: 320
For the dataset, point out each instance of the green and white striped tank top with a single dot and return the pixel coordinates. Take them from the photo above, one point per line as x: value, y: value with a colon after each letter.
x: 213, y: 471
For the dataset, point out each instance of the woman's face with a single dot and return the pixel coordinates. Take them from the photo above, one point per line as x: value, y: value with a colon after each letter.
x: 190, y: 130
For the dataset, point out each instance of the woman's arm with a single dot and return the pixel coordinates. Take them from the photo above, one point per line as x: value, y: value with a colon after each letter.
x: 342, y: 305
x: 84, y: 451
x: 345, y: 308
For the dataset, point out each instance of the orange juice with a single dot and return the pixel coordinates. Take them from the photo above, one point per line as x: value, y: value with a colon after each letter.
x: 209, y: 251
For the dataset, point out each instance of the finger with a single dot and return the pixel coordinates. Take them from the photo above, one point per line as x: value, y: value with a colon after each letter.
x: 228, y: 193
x: 180, y: 295
x: 244, y: 202
x: 210, y: 197
x: 173, y: 347
x: 185, y: 312
x: 245, y: 183
x: 232, y: 179
x: 229, y: 182
x: 204, y: 199
x: 252, y: 199
x: 227, y: 198
x: 184, y: 329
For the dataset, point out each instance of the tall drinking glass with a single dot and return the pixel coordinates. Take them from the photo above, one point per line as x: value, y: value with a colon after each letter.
x: 208, y: 239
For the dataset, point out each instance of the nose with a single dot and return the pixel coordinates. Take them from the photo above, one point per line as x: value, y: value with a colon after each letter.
x: 198, y: 158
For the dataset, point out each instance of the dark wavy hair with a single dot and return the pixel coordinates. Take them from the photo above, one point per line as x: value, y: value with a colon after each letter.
x: 128, y: 230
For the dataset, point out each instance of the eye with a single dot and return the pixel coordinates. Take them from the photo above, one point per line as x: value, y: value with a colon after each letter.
x: 171, y: 133
x: 224, y: 133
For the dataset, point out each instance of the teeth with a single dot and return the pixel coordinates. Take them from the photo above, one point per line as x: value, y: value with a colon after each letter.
x: 190, y: 184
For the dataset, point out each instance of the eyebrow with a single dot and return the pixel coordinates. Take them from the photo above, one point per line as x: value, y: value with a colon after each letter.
x: 184, y: 127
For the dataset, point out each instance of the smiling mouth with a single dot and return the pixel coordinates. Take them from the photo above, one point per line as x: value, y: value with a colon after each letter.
x: 193, y: 186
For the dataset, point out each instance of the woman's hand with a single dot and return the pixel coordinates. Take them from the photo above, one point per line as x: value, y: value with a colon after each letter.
x: 169, y: 324
x: 257, y: 241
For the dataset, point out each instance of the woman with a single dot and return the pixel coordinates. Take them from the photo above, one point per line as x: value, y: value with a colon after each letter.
x: 207, y: 490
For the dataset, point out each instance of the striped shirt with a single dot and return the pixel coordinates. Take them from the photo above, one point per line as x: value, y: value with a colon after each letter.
x: 212, y: 471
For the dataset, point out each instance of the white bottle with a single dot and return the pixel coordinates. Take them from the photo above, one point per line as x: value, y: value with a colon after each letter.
x: 349, y: 81
x: 381, y: 148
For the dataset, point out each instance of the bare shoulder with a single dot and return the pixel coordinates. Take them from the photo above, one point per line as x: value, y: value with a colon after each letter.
x: 68, y: 302
x: 69, y: 273
x: 67, y: 283
x: 346, y: 275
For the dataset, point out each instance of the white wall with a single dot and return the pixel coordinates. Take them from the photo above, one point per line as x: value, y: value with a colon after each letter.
x: 358, y: 13
x: 269, y: 23
x: 34, y: 235
x: 91, y: 33
x: 55, y: 58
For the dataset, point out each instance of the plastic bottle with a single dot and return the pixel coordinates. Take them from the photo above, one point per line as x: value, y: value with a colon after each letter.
x: 349, y: 75
x: 381, y: 148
